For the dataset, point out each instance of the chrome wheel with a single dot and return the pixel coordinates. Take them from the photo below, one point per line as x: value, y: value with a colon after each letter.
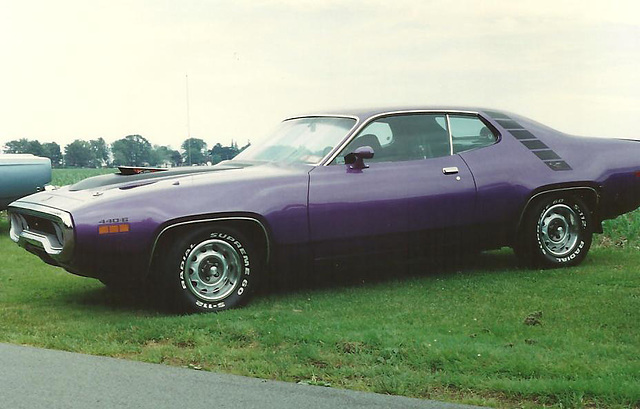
x: 559, y: 230
x: 213, y: 270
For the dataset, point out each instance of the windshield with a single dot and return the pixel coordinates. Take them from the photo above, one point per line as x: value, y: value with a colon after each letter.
x: 300, y: 140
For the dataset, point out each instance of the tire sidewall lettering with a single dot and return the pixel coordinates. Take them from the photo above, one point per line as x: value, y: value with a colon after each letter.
x: 210, y: 306
x: 233, y: 297
x: 583, y: 226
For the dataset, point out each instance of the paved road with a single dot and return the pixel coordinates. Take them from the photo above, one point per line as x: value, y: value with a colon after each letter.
x: 38, y: 378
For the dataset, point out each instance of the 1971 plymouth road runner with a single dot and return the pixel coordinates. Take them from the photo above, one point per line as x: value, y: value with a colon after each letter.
x: 22, y: 175
x: 332, y: 186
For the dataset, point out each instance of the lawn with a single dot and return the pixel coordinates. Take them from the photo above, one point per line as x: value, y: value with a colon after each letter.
x: 481, y: 331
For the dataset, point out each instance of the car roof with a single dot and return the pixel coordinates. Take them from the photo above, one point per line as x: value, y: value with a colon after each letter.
x: 363, y: 113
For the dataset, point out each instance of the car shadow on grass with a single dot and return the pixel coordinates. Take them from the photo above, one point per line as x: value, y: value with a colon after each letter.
x: 356, y: 273
x: 140, y: 300
x: 146, y: 300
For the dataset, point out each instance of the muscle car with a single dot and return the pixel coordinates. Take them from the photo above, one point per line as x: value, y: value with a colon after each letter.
x: 22, y: 175
x: 337, y: 186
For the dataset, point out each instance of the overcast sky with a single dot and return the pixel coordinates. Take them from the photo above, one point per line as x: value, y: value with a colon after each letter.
x: 88, y: 69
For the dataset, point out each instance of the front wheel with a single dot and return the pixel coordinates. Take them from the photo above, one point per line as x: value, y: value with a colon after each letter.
x: 555, y: 232
x: 209, y: 269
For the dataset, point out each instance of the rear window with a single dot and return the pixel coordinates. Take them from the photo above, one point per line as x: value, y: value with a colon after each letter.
x: 469, y: 132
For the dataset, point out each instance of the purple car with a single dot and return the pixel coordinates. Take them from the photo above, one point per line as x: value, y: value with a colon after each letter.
x: 331, y: 187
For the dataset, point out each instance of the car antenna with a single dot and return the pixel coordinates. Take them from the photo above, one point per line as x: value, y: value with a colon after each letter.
x: 188, y: 120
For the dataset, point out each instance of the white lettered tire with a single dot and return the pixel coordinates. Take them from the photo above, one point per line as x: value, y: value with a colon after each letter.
x: 556, y: 231
x: 209, y: 269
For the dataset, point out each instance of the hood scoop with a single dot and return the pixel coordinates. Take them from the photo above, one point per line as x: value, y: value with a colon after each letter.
x: 136, y: 170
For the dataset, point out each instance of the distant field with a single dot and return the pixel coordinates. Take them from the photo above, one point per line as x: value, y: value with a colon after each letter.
x: 62, y: 177
x: 481, y: 331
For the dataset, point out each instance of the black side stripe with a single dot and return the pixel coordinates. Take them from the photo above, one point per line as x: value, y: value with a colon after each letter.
x: 509, y: 124
x: 522, y: 134
x: 530, y: 141
x: 547, y: 155
x: 535, y: 144
x: 496, y: 115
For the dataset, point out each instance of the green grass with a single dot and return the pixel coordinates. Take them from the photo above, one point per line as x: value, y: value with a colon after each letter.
x: 623, y: 231
x: 451, y: 332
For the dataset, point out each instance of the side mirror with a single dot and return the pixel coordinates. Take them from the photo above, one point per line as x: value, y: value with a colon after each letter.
x: 355, y: 159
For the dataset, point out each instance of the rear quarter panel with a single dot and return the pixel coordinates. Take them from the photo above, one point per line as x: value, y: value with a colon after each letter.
x: 531, y: 157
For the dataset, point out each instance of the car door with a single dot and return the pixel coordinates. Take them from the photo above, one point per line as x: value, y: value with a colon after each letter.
x: 413, y: 191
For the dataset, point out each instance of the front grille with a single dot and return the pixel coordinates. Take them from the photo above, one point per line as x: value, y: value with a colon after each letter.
x: 41, y: 228
x: 39, y: 224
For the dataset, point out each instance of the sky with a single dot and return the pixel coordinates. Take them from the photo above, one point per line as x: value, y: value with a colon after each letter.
x: 88, y: 69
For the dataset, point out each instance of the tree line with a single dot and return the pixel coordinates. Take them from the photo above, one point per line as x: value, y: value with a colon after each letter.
x: 132, y: 150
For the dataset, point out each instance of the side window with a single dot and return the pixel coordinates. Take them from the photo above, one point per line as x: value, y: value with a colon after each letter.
x: 469, y: 132
x: 402, y: 138
x: 381, y: 130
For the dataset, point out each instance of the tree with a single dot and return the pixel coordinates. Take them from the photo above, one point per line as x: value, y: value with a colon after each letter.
x: 195, y: 151
x: 164, y: 156
x: 22, y: 145
x: 100, y: 150
x: 35, y: 148
x: 176, y: 158
x: 220, y: 153
x: 216, y: 156
x: 79, y: 154
x: 52, y: 151
x: 132, y: 150
x: 49, y: 150
x: 158, y: 155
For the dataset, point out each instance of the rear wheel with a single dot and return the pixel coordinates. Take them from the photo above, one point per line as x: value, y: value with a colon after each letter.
x: 210, y: 269
x: 556, y: 231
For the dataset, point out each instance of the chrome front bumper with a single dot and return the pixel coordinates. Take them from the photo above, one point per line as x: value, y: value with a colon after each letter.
x: 40, y: 229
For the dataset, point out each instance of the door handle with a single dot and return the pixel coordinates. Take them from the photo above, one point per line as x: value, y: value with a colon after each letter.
x: 450, y: 171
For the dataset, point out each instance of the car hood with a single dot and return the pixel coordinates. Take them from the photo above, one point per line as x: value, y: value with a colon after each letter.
x: 117, y: 188
x: 119, y: 180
